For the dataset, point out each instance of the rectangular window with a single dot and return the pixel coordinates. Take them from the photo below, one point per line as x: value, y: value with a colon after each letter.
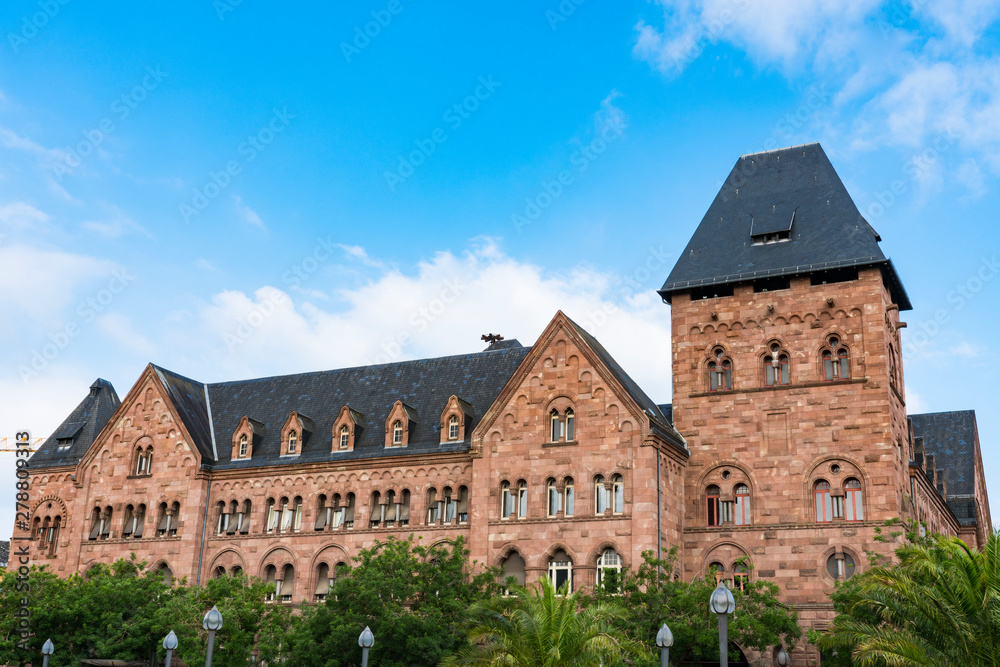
x: 522, y: 500
x: 713, y: 511
x: 838, y: 507
x: 742, y: 517
x: 726, y: 511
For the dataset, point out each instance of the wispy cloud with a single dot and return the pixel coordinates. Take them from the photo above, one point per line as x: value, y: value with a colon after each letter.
x: 247, y: 213
x: 21, y: 215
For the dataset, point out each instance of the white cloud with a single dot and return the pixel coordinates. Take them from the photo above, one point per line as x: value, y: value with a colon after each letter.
x: 915, y: 404
x: 118, y: 328
x: 20, y: 214
x: 966, y: 350
x: 118, y: 225
x: 247, y: 213
x: 40, y: 284
x: 441, y: 309
x: 205, y: 265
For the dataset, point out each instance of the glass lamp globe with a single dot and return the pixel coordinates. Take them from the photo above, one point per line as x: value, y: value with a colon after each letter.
x: 722, y: 601
x: 664, y: 638
x: 781, y: 658
x: 170, y: 641
x: 367, y: 639
x: 48, y: 648
x: 213, y: 619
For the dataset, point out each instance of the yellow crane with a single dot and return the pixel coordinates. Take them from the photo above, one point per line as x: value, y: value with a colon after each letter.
x: 9, y: 444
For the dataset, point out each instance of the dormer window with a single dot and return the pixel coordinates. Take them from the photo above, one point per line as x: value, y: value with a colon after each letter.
x: 773, y: 237
x: 345, y: 436
x: 62, y: 444
x: 293, y: 442
x: 399, y: 425
x: 397, y: 432
x: 243, y: 447
x: 453, y: 427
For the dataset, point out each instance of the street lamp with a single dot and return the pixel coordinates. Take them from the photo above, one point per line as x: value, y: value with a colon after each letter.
x: 664, y: 639
x: 48, y: 648
x: 723, y: 604
x: 211, y: 622
x: 170, y: 643
x: 366, y: 641
x: 781, y: 658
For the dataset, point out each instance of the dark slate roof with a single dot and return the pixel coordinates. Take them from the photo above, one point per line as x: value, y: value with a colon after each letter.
x: 423, y: 386
x: 83, y: 425
x: 668, y: 411
x: 657, y: 420
x: 504, y: 344
x: 188, y: 398
x: 792, y: 188
x: 950, y: 438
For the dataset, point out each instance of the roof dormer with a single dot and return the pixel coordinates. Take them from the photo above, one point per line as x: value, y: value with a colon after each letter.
x: 455, y: 420
x: 249, y: 432
x: 295, y: 433
x: 399, y: 425
x: 347, y: 429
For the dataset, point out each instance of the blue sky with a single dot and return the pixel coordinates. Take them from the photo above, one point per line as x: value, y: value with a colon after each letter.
x: 233, y: 190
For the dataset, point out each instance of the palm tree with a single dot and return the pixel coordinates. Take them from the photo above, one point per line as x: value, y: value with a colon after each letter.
x: 542, y: 627
x: 940, y: 606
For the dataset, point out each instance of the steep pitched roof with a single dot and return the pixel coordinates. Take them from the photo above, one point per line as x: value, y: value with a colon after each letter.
x: 424, y: 386
x: 792, y: 190
x: 188, y: 398
x: 657, y: 419
x: 82, y: 425
x: 951, y: 438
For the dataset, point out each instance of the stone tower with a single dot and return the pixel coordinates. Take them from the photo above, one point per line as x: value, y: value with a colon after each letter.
x: 787, y: 380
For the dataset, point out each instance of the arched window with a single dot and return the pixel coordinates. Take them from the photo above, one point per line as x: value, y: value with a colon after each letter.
x: 270, y: 577
x: 449, y: 505
x: 243, y: 447
x: 140, y: 462
x: 556, y: 424
x: 287, y: 583
x: 570, y: 425
x: 840, y: 566
x: 617, y: 494
x: 836, y: 363
x: 824, y: 502
x: 522, y: 499
x: 720, y: 371
x: 345, y: 436
x: 513, y: 566
x: 453, y: 427
x: 742, y: 514
x: 293, y: 442
x: 272, y: 516
x: 506, y: 501
x: 609, y: 569
x: 349, y: 512
x: 568, y: 497
x: 712, y: 494
x: 855, y: 510
x: 717, y: 571
x: 433, y: 506
x: 243, y: 518
x: 776, y: 367
x: 403, y: 510
x: 397, y: 432
x: 219, y: 572
x: 53, y: 537
x: 600, y: 495
x: 553, y: 499
x: 324, y: 581
x: 390, y: 509
x: 222, y: 520
x: 376, y: 510
x: 561, y: 571
x: 463, y: 504
x: 106, y: 522
x: 741, y: 576
x: 149, y: 460
x: 286, y: 515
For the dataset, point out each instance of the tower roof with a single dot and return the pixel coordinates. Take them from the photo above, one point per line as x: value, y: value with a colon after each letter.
x: 70, y: 441
x: 780, y: 213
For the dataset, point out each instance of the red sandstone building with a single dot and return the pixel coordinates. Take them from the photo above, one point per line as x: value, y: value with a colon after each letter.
x: 787, y: 444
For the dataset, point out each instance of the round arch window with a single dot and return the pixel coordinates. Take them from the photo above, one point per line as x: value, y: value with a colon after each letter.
x: 840, y: 567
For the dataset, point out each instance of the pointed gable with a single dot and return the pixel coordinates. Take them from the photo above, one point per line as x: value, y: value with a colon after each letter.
x: 80, y: 427
x: 780, y: 213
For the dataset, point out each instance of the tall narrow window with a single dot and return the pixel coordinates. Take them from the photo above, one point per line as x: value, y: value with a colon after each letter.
x: 323, y: 513
x: 297, y: 517
x: 433, y: 507
x: 609, y: 569
x: 272, y: 516
x: 742, y: 515
x: 776, y: 367
x: 287, y: 583
x: 349, y: 512
x: 717, y: 571
x: 129, y: 521
x: 286, y: 515
x: 712, y: 494
x: 53, y: 536
x: 345, y: 437
x: 836, y: 362
x: 720, y: 371
x: 463, y: 504
x: 397, y: 432
x: 741, y: 576
x: 855, y: 506
x: 570, y: 425
x: 270, y: 577
x: 824, y: 502
x: 568, y: 496
x: 557, y: 426
x: 293, y: 442
x: 221, y: 520
x: 522, y: 499
x: 324, y: 580
x: 618, y: 494
x: 391, y: 510
x: 506, y: 501
x: 375, y: 511
x: 553, y: 499
x: 140, y: 467
x: 453, y: 428
x: 561, y: 571
x: 243, y: 446
x: 449, y: 505
x: 600, y: 495
x: 403, y: 513
x: 243, y: 518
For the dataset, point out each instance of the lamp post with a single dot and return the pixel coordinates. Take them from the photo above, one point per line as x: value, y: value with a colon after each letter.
x: 212, y: 622
x: 723, y: 604
x: 48, y: 648
x: 781, y: 658
x: 170, y: 643
x: 664, y: 640
x: 366, y: 641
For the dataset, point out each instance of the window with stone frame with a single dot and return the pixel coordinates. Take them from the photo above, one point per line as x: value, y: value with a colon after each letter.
x: 449, y: 504
x: 776, y: 371
x: 376, y: 510
x: 242, y: 451
x: 854, y: 503
x: 823, y: 501
x: 345, y: 437
x: 287, y: 583
x: 712, y: 495
x: 836, y: 360
x: 463, y: 504
x: 553, y: 499
x: 132, y: 524
x: 560, y: 569
x: 617, y: 494
x: 293, y: 442
x: 522, y: 499
x: 569, y: 497
x: 433, y: 507
x: 271, y: 516
x: 143, y: 461
x: 717, y: 571
x: 397, y: 432
x: 741, y: 576
x: 609, y: 569
x: 453, y: 427
x: 720, y: 371
x: 513, y: 566
x: 562, y: 425
x: 741, y: 515
x: 507, y: 501
x: 840, y: 566
x: 600, y: 495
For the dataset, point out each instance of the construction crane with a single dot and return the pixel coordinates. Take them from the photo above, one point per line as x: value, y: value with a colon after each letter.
x: 9, y: 444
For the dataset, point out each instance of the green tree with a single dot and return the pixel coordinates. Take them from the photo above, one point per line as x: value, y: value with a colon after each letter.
x: 414, y: 598
x: 543, y: 627
x: 939, y: 605
x: 653, y: 595
x: 123, y: 610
